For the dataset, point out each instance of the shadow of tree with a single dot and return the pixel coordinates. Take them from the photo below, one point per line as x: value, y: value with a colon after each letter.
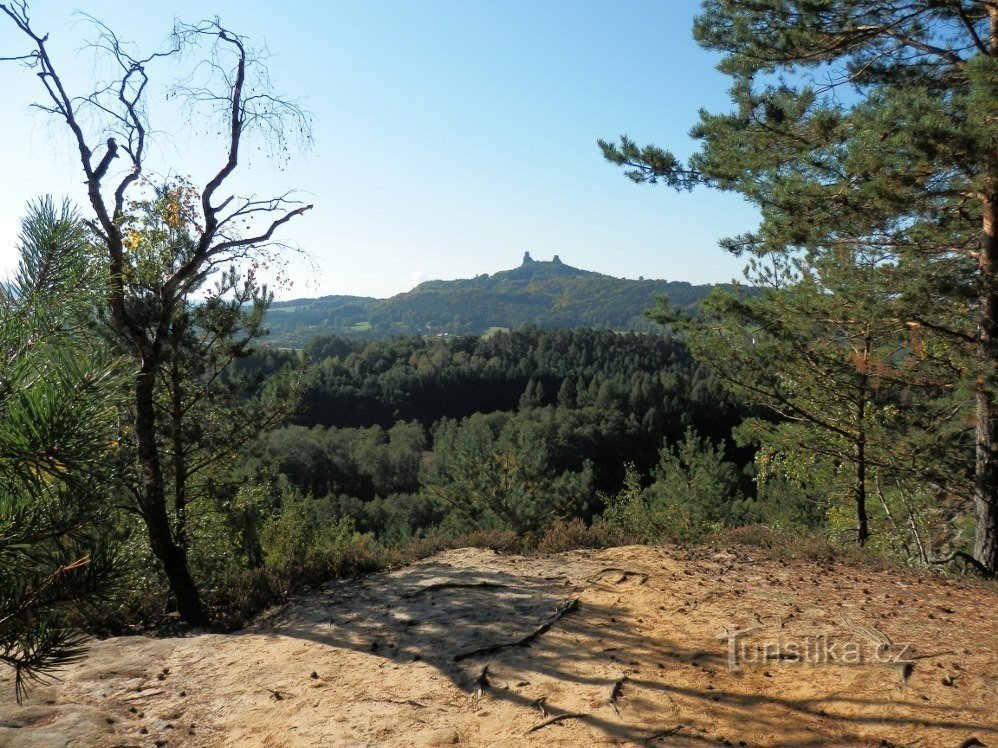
x: 607, y: 661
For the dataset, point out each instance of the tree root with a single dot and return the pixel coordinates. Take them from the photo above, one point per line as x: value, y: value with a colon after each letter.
x: 481, y: 682
x: 625, y: 574
x: 143, y: 695
x: 615, y: 693
x: 663, y: 734
x: 980, y: 568
x: 399, y: 702
x: 556, y: 718
x: 450, y: 585
x: 565, y: 608
x: 275, y: 694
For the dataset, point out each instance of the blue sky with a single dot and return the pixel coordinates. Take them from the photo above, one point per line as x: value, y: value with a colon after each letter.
x: 450, y: 135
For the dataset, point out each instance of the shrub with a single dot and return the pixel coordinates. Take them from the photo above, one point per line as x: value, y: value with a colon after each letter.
x: 570, y: 535
x: 314, y: 547
x: 797, y: 545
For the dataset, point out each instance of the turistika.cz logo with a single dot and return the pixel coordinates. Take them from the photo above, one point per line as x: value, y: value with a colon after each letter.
x: 811, y: 650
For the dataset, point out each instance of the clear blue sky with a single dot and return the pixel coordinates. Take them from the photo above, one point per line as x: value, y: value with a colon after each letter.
x: 450, y: 135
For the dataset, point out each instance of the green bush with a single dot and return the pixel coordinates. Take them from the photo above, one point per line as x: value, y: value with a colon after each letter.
x: 694, y: 491
x: 315, y: 547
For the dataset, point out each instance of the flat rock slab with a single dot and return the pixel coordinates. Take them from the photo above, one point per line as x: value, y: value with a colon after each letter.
x: 634, y: 646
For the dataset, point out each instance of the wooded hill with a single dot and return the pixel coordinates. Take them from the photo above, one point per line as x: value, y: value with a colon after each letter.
x: 538, y: 293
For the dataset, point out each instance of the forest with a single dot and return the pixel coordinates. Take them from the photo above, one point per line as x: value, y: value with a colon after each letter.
x: 164, y: 466
x: 514, y: 431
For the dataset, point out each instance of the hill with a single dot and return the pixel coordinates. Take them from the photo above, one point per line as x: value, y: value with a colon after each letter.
x: 591, y: 647
x: 538, y: 293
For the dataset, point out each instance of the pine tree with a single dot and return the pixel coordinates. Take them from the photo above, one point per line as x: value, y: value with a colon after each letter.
x: 59, y: 399
x: 869, y: 124
x: 817, y: 345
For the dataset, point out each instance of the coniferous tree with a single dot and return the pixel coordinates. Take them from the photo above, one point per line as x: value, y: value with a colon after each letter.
x: 59, y: 398
x: 497, y: 474
x: 869, y: 124
x: 205, y: 411
x: 816, y: 344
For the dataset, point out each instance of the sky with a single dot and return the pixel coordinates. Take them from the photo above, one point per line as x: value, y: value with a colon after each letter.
x: 449, y: 136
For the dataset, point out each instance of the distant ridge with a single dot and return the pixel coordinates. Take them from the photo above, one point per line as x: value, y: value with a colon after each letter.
x: 538, y: 293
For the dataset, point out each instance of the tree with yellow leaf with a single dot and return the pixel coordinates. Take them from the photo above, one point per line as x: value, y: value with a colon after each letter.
x: 203, y: 230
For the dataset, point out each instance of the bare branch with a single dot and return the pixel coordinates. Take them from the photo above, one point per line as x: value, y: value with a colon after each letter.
x: 110, y: 155
x: 261, y: 238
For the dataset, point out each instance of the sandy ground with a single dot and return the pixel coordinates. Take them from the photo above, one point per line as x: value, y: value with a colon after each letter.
x: 627, y: 646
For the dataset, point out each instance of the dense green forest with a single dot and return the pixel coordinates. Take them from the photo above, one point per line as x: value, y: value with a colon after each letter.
x: 542, y: 293
x: 398, y: 433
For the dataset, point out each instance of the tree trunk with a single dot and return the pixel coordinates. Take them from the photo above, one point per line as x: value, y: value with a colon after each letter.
x: 173, y: 557
x: 859, y: 492
x: 986, y: 473
x: 179, y: 454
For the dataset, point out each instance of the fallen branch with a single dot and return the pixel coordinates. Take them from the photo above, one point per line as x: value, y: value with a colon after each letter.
x: 565, y: 608
x: 449, y: 585
x: 556, y: 718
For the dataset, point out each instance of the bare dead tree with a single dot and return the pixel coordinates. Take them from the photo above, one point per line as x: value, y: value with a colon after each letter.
x: 110, y: 130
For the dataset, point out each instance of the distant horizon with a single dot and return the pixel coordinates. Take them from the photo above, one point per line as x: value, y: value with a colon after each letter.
x: 448, y: 135
x: 640, y: 278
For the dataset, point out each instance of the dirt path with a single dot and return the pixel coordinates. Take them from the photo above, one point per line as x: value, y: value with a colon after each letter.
x: 627, y: 647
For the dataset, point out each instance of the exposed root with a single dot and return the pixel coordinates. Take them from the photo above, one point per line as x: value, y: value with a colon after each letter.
x: 875, y: 635
x: 400, y: 702
x: 278, y: 696
x: 663, y: 734
x: 450, y: 585
x: 556, y: 718
x: 481, y: 682
x: 625, y: 574
x: 143, y: 695
x: 615, y: 692
x: 980, y: 568
x: 565, y: 608
x: 539, y: 703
